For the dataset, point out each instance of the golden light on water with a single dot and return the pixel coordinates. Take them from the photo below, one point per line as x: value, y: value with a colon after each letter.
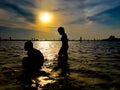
x: 48, y: 49
x: 45, y: 80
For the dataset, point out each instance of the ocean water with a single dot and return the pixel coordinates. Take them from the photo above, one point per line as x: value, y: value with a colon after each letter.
x: 92, y: 65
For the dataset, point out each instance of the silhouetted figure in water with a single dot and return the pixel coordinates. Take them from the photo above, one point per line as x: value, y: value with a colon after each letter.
x: 63, y: 55
x: 64, y: 48
x: 34, y: 61
x: 63, y: 65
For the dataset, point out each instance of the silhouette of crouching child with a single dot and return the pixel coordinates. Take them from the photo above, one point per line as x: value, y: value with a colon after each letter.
x: 34, y: 61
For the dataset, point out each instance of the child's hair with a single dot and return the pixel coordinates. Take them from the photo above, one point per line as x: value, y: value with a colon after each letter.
x: 29, y: 44
x: 61, y: 29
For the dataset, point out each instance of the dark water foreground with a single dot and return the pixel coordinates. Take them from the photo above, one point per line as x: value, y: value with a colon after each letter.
x: 91, y: 66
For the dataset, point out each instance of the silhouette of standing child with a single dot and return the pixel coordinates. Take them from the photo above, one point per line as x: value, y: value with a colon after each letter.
x: 34, y: 61
x: 64, y: 48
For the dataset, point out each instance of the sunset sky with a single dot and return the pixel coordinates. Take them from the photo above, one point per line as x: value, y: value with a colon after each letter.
x: 88, y: 19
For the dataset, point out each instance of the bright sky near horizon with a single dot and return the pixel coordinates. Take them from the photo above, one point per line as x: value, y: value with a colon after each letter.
x: 89, y: 19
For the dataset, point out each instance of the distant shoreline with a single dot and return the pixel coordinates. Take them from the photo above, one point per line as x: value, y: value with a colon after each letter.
x: 60, y: 40
x: 111, y: 38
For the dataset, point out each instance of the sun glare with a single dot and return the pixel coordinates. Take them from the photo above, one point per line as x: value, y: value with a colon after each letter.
x: 45, y: 17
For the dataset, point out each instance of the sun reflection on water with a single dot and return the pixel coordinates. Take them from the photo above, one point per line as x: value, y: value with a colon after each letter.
x: 50, y: 50
x: 45, y: 80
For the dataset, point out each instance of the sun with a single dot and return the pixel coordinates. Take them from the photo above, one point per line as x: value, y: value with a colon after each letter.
x: 45, y: 17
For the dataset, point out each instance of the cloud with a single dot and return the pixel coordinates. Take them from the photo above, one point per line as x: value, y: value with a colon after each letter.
x: 108, y: 17
x: 85, y: 14
x: 77, y: 21
x: 21, y: 33
x: 69, y: 6
x: 98, y: 6
x: 80, y: 10
x: 14, y: 8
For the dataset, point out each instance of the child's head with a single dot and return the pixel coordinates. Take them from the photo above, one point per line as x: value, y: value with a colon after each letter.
x: 28, y: 45
x: 61, y: 30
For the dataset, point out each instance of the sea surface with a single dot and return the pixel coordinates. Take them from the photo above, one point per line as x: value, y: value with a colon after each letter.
x: 92, y: 65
